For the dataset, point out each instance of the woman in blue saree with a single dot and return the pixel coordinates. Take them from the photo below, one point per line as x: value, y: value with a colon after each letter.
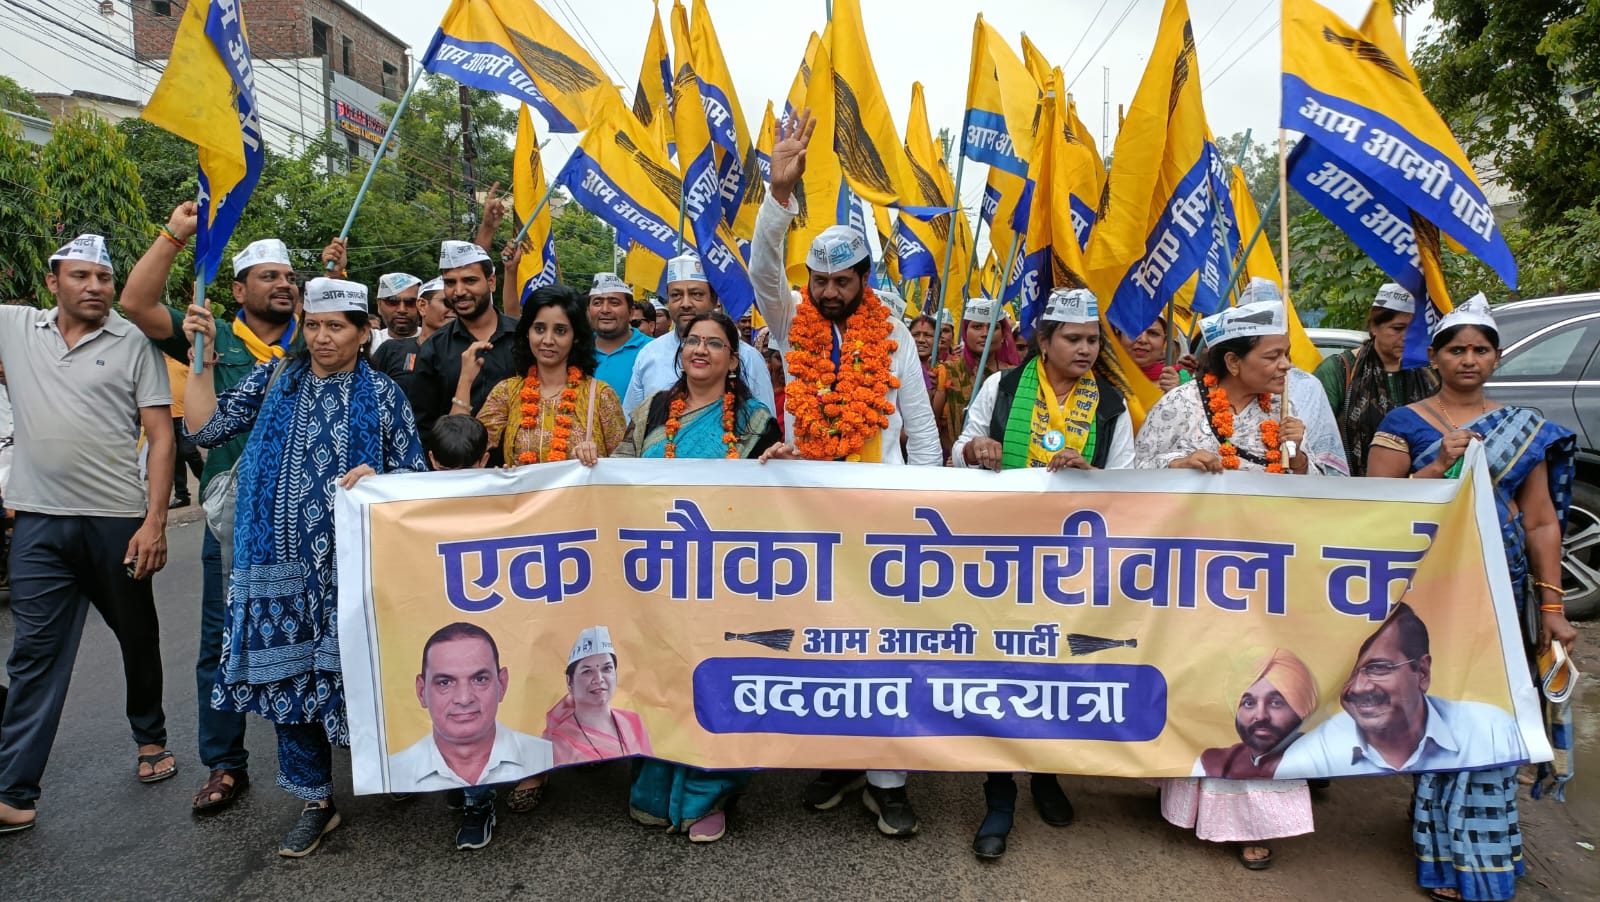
x: 707, y: 414
x: 1464, y: 825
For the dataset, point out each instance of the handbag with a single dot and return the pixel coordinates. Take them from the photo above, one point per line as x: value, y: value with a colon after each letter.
x: 222, y: 492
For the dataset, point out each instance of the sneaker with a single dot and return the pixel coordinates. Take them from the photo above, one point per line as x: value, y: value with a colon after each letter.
x: 831, y: 786
x: 303, y: 838
x: 477, y: 826
x: 893, y: 808
x: 710, y: 828
x: 455, y: 799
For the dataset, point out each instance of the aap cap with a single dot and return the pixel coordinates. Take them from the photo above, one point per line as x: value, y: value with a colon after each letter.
x: 392, y: 283
x: 596, y: 640
x: 1073, y: 306
x: 979, y: 310
x: 658, y: 304
x: 1260, y: 290
x: 1475, y: 312
x: 892, y: 298
x: 90, y: 248
x: 267, y: 250
x: 456, y: 254
x: 610, y: 283
x: 1392, y: 297
x: 335, y: 296
x: 686, y: 267
x: 1246, y: 320
x: 431, y: 286
x: 837, y: 249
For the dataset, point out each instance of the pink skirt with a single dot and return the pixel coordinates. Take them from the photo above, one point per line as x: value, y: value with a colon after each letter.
x: 1237, y: 810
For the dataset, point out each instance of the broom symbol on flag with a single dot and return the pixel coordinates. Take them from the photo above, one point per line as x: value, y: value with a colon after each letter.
x: 776, y: 639
x: 1079, y: 644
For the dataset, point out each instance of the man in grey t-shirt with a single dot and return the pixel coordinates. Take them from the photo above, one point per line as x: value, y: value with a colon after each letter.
x: 83, y: 380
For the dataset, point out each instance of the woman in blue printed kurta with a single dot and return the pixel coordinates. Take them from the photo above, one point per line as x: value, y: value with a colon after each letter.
x: 315, y: 422
x: 1464, y: 825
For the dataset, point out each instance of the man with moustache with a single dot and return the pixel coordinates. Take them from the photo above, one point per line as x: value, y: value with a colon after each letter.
x: 616, y: 341
x: 400, y: 305
x: 265, y: 328
x: 82, y: 382
x: 1267, y: 718
x: 459, y: 364
x: 461, y: 684
x: 1391, y: 725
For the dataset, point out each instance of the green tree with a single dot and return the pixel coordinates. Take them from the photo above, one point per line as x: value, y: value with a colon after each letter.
x: 430, y: 142
x: 93, y: 186
x: 27, y: 238
x: 1516, y: 82
x: 583, y: 245
x: 1260, y: 165
x: 16, y: 98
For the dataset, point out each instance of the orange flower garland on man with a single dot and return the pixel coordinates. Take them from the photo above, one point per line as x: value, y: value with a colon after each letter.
x: 556, y: 409
x: 1229, y: 421
x: 855, y: 386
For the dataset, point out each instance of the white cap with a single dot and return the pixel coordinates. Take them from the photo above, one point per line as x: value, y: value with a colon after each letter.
x: 392, y: 283
x: 432, y: 285
x: 267, y: 250
x: 659, y: 304
x: 944, y: 317
x: 1260, y: 290
x: 686, y: 267
x: 1475, y: 312
x: 838, y: 248
x: 892, y: 298
x: 1072, y: 305
x: 979, y: 310
x: 1246, y: 320
x: 456, y: 254
x: 335, y: 296
x: 596, y: 640
x: 91, y: 248
x: 610, y: 283
x: 1392, y: 297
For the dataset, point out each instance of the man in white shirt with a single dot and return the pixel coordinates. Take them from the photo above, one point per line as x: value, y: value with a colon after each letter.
x: 461, y: 686
x: 1391, y: 725
x: 689, y: 293
x: 839, y: 261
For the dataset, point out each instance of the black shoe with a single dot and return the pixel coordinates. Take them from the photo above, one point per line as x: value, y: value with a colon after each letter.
x: 831, y: 786
x: 1051, y: 802
x: 1000, y: 797
x: 180, y: 501
x: 455, y: 799
x: 477, y: 826
x: 307, y: 833
x: 895, y: 817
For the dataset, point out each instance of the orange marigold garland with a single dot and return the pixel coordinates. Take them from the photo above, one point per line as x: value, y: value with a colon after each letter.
x: 730, y: 440
x: 835, y: 414
x: 1221, y: 410
x: 566, y: 410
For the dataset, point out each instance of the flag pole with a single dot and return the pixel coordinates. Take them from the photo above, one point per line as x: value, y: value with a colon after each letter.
x: 999, y: 305
x: 383, y: 147
x: 197, y: 366
x: 1283, y: 250
x: 528, y: 224
x: 949, y: 248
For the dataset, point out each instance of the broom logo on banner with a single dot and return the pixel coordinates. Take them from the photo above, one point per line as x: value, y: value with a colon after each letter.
x: 1365, y: 51
x: 565, y: 74
x: 489, y: 67
x: 664, y: 179
x: 1180, y: 69
x: 854, y: 145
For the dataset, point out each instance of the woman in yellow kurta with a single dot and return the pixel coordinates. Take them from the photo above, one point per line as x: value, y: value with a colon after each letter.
x: 557, y: 410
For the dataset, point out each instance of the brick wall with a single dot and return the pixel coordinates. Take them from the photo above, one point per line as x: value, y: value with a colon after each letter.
x: 282, y: 29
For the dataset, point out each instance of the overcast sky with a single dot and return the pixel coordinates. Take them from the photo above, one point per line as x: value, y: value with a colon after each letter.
x: 930, y: 41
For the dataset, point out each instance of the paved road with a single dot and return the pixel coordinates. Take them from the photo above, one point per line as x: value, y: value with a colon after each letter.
x: 103, y: 836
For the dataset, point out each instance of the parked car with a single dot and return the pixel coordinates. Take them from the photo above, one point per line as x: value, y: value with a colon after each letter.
x: 1333, y: 341
x: 1550, y: 364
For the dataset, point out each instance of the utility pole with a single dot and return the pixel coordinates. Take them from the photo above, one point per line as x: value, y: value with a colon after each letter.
x: 1105, y: 111
x: 469, y: 153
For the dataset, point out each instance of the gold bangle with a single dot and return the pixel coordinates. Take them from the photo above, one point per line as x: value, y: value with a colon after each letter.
x: 1541, y: 584
x: 1553, y: 608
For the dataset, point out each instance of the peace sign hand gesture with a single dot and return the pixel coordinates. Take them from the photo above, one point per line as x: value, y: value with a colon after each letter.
x: 789, y: 154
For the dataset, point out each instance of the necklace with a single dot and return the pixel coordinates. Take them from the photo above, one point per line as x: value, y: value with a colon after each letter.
x: 532, y: 401
x: 675, y: 412
x: 1221, y: 421
x: 1446, y: 414
x: 587, y: 738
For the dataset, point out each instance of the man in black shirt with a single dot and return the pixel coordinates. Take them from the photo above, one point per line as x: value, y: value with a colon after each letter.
x: 399, y: 305
x: 459, y: 364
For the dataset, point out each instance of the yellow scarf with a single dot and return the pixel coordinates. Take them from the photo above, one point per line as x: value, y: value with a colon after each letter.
x: 259, y: 349
x: 1073, y: 421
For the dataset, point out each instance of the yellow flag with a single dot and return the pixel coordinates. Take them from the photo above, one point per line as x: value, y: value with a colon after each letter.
x: 1038, y: 66
x: 1262, y: 264
x: 538, y: 265
x: 1084, y: 135
x: 742, y: 187
x: 935, y: 187
x: 651, y: 97
x: 886, y: 240
x: 1002, y: 103
x: 821, y: 194
x: 514, y: 47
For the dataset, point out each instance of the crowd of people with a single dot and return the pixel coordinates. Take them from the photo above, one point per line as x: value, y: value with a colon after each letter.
x: 305, y: 391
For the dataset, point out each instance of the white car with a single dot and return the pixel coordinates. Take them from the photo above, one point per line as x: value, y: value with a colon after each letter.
x: 1332, y: 341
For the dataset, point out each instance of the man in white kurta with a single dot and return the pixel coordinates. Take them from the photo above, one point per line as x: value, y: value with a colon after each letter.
x: 839, y: 262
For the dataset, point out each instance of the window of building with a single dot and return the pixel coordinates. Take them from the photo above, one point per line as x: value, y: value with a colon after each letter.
x: 161, y: 8
x: 354, y: 147
x: 390, y: 74
x: 347, y: 50
x: 319, y: 38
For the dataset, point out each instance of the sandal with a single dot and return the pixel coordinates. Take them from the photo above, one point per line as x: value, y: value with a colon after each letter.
x: 1255, y: 864
x: 524, y: 799
x: 226, y: 792
x: 1438, y: 895
x: 156, y: 776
